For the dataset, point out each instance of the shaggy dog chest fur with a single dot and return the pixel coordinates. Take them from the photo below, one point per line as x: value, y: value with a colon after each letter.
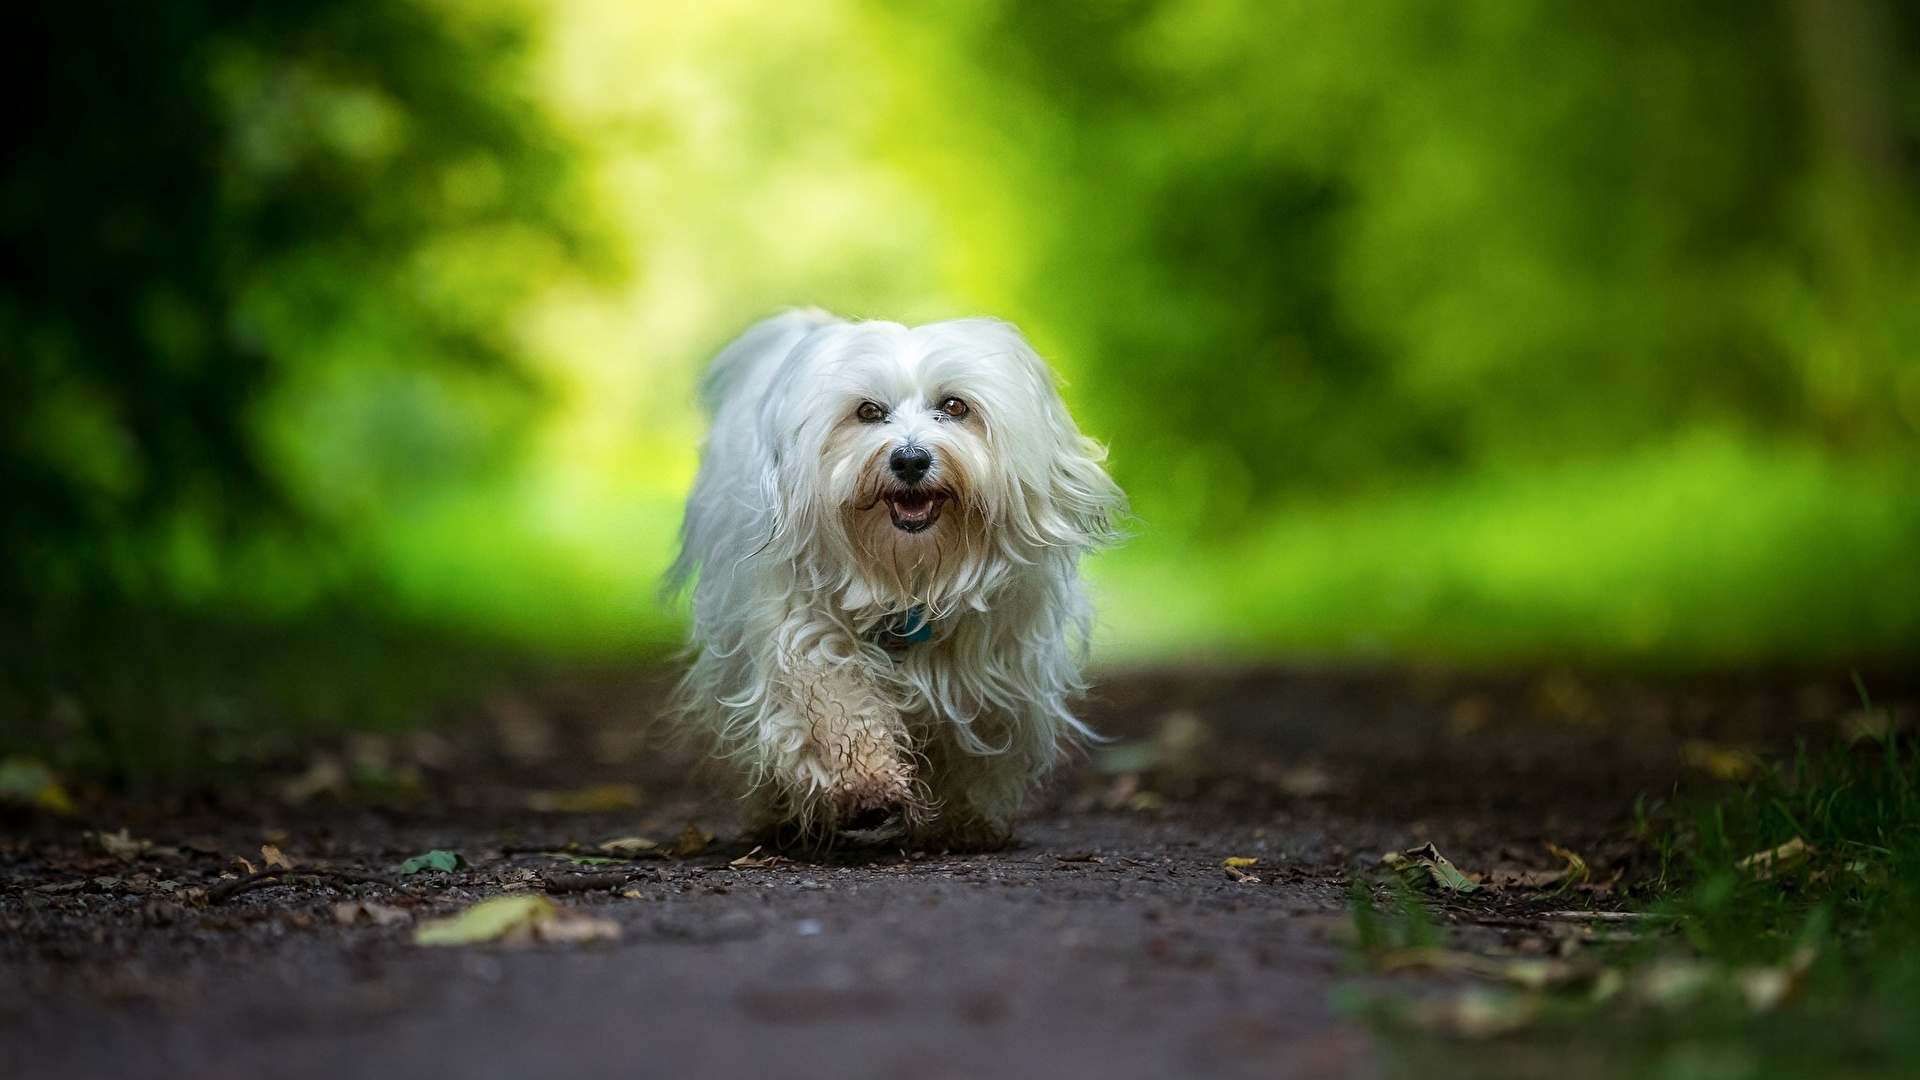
x: 883, y: 544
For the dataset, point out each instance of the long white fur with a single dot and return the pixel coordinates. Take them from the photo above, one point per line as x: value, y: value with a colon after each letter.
x: 798, y: 568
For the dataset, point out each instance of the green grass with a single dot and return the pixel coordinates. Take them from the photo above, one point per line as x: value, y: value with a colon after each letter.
x: 1837, y: 918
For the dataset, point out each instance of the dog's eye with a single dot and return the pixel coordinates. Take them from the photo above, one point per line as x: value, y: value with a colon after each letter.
x: 870, y: 412
x: 955, y: 408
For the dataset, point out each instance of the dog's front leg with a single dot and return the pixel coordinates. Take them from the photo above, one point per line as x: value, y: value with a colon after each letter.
x: 835, y: 747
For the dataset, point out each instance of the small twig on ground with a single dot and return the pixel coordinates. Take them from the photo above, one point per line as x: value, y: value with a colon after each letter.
x: 227, y: 890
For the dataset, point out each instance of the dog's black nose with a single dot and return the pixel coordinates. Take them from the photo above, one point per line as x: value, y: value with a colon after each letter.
x: 910, y: 463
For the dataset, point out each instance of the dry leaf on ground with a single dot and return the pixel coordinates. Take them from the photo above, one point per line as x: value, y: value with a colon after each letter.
x: 30, y: 782
x: 516, y: 919
x: 1425, y: 868
x: 516, y: 877
x: 272, y: 859
x: 121, y: 845
x: 627, y: 847
x: 1576, y: 866
x: 326, y: 776
x: 1765, y: 864
x: 754, y: 860
x: 1719, y: 761
x: 693, y: 840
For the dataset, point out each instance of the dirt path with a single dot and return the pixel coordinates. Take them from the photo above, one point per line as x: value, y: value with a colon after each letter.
x: 1109, y: 941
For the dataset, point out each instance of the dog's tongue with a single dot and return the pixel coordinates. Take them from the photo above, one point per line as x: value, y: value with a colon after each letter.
x: 912, y: 507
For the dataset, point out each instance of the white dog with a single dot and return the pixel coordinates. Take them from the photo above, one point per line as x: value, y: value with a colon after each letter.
x: 887, y: 528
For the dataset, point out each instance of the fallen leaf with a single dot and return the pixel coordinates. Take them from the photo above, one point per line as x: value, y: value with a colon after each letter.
x: 585, y: 800
x: 1876, y: 724
x: 1765, y: 864
x: 1576, y: 866
x: 516, y: 919
x: 121, y: 845
x: 750, y: 862
x: 1239, y: 862
x: 488, y: 920
x: 29, y: 782
x: 1719, y: 761
x: 627, y: 847
x: 516, y: 877
x: 1424, y: 867
x: 444, y: 861
x: 693, y: 840
x: 272, y: 859
x: 1870, y: 874
x: 326, y: 776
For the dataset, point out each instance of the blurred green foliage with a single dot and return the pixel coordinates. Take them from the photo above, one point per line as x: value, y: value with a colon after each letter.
x: 255, y: 282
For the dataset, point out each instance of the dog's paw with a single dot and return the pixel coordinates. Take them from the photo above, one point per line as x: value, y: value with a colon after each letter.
x: 869, y: 801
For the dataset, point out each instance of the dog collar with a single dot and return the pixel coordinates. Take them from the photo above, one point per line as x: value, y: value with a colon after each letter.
x: 909, y: 628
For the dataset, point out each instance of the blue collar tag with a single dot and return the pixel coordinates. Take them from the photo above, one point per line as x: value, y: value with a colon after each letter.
x: 915, y: 626
x: 907, y: 629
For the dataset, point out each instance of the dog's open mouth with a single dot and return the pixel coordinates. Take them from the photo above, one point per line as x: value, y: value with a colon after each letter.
x: 915, y: 511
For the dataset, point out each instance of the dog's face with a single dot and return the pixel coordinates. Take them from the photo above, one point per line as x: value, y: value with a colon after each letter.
x: 925, y: 457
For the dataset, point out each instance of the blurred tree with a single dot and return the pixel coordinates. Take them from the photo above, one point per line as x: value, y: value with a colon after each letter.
x: 207, y: 202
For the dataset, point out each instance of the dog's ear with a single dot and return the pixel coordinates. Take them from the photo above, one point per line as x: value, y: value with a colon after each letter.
x: 1081, y: 493
x: 1073, y: 502
x: 1063, y: 495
